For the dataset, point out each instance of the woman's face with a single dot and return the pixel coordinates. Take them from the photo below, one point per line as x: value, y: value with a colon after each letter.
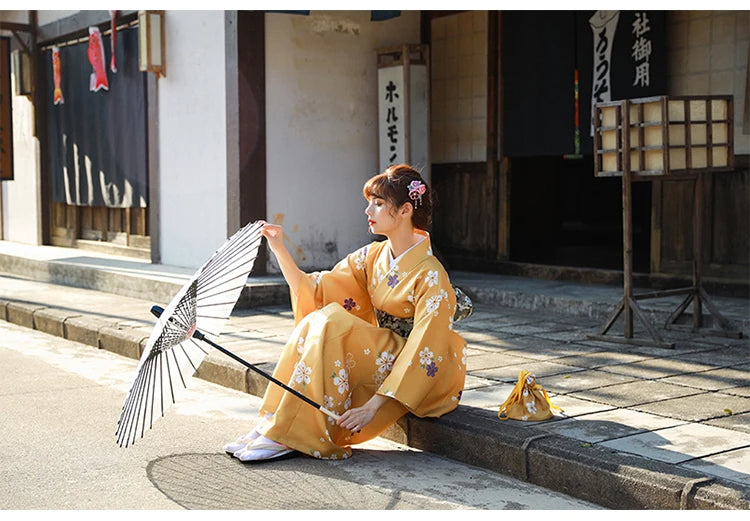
x: 382, y: 217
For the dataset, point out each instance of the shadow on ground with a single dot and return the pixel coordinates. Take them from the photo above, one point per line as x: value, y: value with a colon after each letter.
x: 216, y: 481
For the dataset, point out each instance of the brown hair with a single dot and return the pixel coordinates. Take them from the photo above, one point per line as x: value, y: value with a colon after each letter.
x: 393, y: 187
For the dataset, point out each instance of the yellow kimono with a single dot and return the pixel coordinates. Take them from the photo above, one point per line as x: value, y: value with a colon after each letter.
x: 339, y: 357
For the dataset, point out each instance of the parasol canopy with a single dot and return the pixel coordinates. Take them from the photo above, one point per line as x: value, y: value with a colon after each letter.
x: 198, y: 311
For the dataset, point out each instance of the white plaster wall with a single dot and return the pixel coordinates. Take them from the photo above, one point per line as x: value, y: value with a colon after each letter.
x: 21, y: 197
x: 321, y: 123
x: 192, y: 138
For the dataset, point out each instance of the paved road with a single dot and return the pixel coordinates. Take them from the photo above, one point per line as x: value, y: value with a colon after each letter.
x: 61, y: 401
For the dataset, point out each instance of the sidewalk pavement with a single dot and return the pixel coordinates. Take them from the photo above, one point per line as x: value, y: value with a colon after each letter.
x: 642, y: 427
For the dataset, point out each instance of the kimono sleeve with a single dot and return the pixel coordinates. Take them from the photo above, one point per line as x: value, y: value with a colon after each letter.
x: 429, y: 373
x: 345, y: 284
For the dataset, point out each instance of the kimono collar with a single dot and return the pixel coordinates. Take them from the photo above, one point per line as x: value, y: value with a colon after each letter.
x: 411, y: 257
x: 420, y: 237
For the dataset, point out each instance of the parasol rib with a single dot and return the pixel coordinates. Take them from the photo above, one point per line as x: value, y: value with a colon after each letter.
x: 179, y: 371
x: 133, y: 409
x: 149, y: 377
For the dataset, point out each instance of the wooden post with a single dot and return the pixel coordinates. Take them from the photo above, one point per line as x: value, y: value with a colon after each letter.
x: 406, y: 57
x: 627, y: 215
x: 152, y: 94
x: 493, y: 202
x: 127, y: 226
x: 2, y: 237
x: 693, y: 170
x: 697, y: 247
x: 503, y: 232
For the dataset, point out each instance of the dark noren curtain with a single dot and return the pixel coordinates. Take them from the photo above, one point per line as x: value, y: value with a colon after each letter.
x: 541, y: 51
x: 98, y: 140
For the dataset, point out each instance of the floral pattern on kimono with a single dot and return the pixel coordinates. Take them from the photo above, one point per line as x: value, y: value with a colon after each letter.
x: 342, y: 350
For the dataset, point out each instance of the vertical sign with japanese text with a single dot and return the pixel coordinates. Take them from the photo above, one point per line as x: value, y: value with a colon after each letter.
x: 391, y: 120
x: 641, y: 50
x: 604, y: 26
x: 616, y: 54
x: 6, y: 113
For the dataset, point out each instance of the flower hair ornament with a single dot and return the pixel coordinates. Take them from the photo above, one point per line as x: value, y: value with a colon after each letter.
x: 416, y: 189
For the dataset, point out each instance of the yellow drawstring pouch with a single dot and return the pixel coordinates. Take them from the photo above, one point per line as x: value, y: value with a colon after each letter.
x: 528, y: 401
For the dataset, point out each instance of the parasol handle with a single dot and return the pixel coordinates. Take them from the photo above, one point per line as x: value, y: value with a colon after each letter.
x: 158, y: 310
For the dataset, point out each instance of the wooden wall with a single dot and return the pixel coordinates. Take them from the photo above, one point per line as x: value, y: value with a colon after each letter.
x: 465, y: 212
x: 726, y: 239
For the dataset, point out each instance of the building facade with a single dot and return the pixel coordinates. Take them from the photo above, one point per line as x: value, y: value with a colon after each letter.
x: 274, y: 115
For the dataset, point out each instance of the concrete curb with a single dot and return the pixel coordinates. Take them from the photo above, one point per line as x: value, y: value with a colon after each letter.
x: 605, y: 477
x: 475, y: 436
x: 134, y: 285
x: 69, y: 274
x: 160, y: 287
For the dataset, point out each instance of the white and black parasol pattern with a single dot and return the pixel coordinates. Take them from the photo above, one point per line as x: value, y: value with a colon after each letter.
x: 197, y: 313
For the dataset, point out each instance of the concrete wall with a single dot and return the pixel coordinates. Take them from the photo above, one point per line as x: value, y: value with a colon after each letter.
x: 321, y: 122
x: 193, y: 138
x: 708, y: 54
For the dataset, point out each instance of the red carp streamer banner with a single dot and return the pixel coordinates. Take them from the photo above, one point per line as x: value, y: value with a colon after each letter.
x: 56, y: 74
x: 96, y: 59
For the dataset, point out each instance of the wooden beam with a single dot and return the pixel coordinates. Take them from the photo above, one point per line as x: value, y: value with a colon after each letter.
x: 627, y: 217
x: 20, y: 41
x: 252, y: 122
x: 13, y: 26
x: 40, y: 128
x: 493, y: 197
x: 503, y: 170
x: 78, y: 24
x: 154, y: 192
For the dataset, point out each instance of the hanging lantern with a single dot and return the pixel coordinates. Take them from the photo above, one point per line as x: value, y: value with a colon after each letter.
x: 151, y: 42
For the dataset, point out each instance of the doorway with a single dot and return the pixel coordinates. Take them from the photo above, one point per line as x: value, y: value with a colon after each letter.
x: 562, y: 215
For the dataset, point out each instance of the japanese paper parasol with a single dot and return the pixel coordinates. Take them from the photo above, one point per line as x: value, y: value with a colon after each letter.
x: 195, y: 315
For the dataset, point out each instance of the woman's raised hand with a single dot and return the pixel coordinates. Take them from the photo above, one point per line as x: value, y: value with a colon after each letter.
x: 275, y: 236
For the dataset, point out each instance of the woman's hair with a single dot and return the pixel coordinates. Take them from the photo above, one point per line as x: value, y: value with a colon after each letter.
x: 393, y: 186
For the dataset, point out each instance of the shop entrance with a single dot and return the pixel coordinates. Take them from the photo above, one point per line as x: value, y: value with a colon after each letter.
x: 562, y: 215
x: 96, y: 156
